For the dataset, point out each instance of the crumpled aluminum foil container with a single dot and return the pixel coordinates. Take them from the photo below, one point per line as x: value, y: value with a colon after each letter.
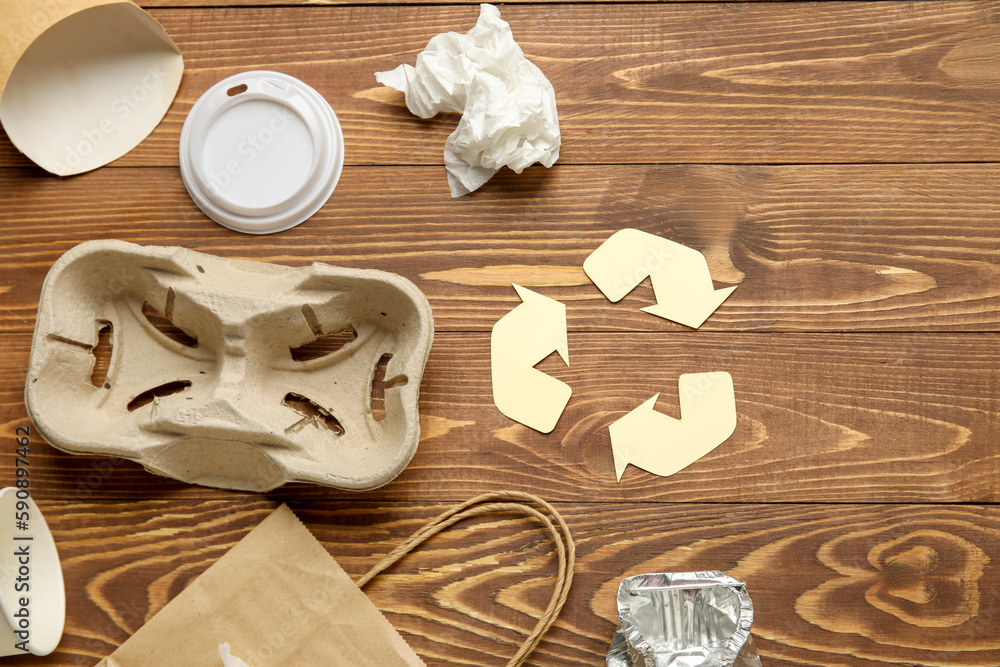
x: 683, y: 619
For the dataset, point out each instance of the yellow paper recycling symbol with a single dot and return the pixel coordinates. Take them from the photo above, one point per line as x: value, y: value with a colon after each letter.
x: 645, y: 438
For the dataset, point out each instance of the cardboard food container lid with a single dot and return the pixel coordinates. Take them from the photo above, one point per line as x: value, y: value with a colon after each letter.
x: 82, y: 82
x: 261, y: 152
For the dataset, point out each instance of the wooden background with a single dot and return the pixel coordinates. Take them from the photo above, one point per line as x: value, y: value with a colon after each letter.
x: 837, y: 160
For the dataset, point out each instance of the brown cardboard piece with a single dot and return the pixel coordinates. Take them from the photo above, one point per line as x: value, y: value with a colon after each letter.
x: 226, y: 401
x: 82, y: 82
x: 279, y: 598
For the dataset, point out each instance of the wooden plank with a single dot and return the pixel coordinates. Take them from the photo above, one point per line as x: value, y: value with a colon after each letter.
x: 153, y: 4
x: 822, y: 418
x: 669, y: 83
x: 832, y: 248
x: 844, y: 586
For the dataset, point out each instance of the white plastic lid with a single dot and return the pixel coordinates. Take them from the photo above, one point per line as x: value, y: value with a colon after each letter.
x: 261, y: 152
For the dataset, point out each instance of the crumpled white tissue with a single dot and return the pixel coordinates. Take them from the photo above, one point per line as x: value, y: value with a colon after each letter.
x: 508, y: 107
x: 229, y: 660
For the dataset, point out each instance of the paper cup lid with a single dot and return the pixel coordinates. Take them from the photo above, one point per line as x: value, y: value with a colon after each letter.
x: 261, y: 152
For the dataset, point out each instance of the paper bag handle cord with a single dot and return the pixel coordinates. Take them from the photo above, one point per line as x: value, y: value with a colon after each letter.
x: 502, y: 501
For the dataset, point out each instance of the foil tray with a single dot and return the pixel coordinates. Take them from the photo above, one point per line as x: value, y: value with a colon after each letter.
x: 683, y: 619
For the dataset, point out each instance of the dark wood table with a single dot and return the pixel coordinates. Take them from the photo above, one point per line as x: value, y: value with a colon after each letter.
x: 837, y: 160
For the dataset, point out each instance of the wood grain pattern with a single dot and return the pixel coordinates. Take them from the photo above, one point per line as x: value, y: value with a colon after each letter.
x: 837, y: 160
x: 822, y: 418
x: 829, y: 248
x: 674, y: 83
x: 153, y: 4
x: 872, y: 586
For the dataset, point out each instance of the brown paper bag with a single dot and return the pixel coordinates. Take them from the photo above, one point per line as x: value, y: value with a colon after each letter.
x: 279, y: 599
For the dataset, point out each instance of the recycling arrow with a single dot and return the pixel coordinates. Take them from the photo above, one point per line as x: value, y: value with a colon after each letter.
x: 521, y: 339
x: 681, y: 280
x: 663, y: 445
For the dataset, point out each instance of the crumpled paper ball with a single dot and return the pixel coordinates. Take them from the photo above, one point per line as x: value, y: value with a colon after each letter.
x: 508, y: 107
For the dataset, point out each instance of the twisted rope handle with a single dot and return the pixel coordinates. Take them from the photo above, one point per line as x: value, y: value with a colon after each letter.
x: 502, y: 501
